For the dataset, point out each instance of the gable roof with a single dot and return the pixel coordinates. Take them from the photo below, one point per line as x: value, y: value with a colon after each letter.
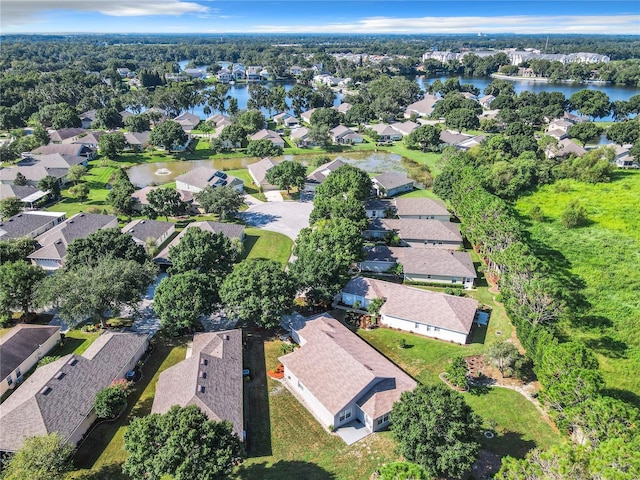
x: 137, y: 138
x: 416, y: 305
x: 405, y: 128
x: 54, y: 160
x: 419, y: 229
x: 141, y: 195
x: 266, y: 134
x: 434, y: 261
x: 33, y: 173
x: 142, y: 229
x: 229, y: 230
x: 76, y: 149
x: 59, y: 396
x: 21, y: 192
x: 321, y: 173
x: 65, y: 133
x: 338, y: 367
x: 450, y: 137
x: 425, y: 106
x: 384, y: 130
x: 20, y: 343
x: 306, y: 116
x: 301, y: 132
x: 340, y: 131
x: 259, y: 170
x: 420, y: 206
x: 391, y: 180
x: 202, y: 177
x: 26, y: 223
x: 210, y: 378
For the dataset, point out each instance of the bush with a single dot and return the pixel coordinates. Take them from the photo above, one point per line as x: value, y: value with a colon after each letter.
x: 457, y: 371
x: 48, y: 359
x: 574, y: 216
x: 535, y: 213
x: 111, y: 400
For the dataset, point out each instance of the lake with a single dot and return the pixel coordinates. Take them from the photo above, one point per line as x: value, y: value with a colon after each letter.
x: 165, y: 172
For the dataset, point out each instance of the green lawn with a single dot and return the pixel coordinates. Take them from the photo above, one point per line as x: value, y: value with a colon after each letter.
x: 102, y: 453
x: 602, y: 260
x: 266, y: 244
x: 426, y: 193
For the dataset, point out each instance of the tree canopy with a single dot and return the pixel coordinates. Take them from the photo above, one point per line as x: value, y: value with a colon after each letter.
x: 105, y: 243
x: 167, y: 135
x: 593, y: 103
x: 287, y: 174
x: 166, y: 202
x: 263, y: 148
x: 204, y: 252
x: 9, y: 207
x: 18, y: 283
x: 111, y: 145
x: 48, y: 457
x: 223, y: 201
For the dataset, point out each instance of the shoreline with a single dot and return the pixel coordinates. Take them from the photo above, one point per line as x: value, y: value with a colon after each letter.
x: 546, y: 80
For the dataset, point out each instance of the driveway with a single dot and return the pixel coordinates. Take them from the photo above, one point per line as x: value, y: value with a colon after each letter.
x: 287, y: 218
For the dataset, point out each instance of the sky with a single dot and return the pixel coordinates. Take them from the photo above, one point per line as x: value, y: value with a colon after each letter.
x: 321, y: 16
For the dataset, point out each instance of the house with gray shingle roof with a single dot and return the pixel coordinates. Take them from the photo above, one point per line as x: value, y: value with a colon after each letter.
x: 187, y: 121
x: 62, y: 134
x: 59, y: 397
x: 266, y: 134
x: 385, y: 132
x: 321, y: 173
x: 210, y: 377
x: 201, y: 177
x: 437, y: 315
x: 27, y: 194
x: 422, y: 108
x: 21, y: 348
x: 425, y: 233
x: 344, y: 135
x: 137, y: 140
x: 29, y: 224
x: 340, y: 378
x: 72, y: 149
x: 143, y: 230
x: 391, y: 183
x: 232, y: 231
x: 422, y: 208
x: 33, y: 173
x: 258, y: 172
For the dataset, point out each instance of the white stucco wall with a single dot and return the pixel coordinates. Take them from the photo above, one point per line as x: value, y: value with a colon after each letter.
x: 186, y: 187
x: 422, y: 329
x: 443, y: 218
x: 414, y: 277
x: 350, y: 299
x: 311, y: 403
x: 375, y: 266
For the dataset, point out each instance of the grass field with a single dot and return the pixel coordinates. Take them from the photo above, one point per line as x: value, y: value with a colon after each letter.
x: 602, y: 258
x: 266, y: 244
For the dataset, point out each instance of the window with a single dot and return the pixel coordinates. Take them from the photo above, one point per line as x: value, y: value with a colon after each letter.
x: 379, y: 421
x: 454, y: 280
x: 345, y: 414
x: 386, y: 418
x: 9, y: 380
x: 18, y: 373
x: 417, y: 326
x: 428, y: 276
x: 436, y: 329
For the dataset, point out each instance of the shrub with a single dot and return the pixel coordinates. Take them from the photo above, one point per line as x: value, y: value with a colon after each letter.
x: 535, y: 213
x: 48, y: 359
x: 574, y: 216
x: 457, y: 371
x: 111, y: 400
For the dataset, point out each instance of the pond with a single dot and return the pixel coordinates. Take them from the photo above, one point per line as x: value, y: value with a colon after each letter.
x: 165, y: 172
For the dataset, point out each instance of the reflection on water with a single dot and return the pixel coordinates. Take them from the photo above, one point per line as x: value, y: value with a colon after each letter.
x: 165, y: 172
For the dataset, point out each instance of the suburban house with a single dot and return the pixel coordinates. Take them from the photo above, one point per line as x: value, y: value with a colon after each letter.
x: 53, y: 243
x: 266, y: 134
x: 188, y: 121
x: 224, y: 76
x: 565, y: 148
x: 385, y: 132
x: 427, y: 233
x: 405, y: 128
x: 344, y: 107
x: 306, y: 116
x: 321, y: 173
x: 391, y: 183
x: 65, y: 134
x: 344, y: 135
x: 71, y: 149
x: 300, y: 137
x: 422, y: 208
x: 195, y: 72
x: 428, y: 265
x: 140, y: 197
x: 21, y: 348
x: 258, y: 172
x: 469, y: 143
x: 91, y: 139
x: 296, y: 70
x: 238, y: 70
x: 210, y: 377
x: 137, y: 140
x: 144, y: 230
x: 201, y: 177
x: 422, y: 108
x: 219, y: 120
x: 232, y: 231
x: 59, y: 396
x: 486, y: 101
x: 340, y: 378
x: 377, y: 207
x: 27, y: 194
x: 432, y: 314
x: 286, y: 119
x: 87, y: 118
x: 623, y: 157
x: 253, y: 74
x: 29, y: 224
x: 53, y: 160
x: 33, y: 174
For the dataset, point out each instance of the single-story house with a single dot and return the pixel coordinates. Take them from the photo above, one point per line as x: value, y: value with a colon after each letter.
x: 266, y: 134
x: 339, y: 377
x: 450, y: 137
x: 486, y: 101
x: 344, y: 135
x: 470, y: 142
x: 422, y: 208
x: 91, y: 139
x: 201, y: 177
x: 59, y: 397
x: 258, y: 172
x: 427, y: 233
x: 405, y: 128
x: 306, y: 116
x: 557, y: 133
x: 344, y: 107
x: 195, y: 72
x: 33, y: 174
x: 140, y: 197
x: 295, y: 70
x: 21, y: 348
x: 565, y: 148
x: 377, y: 207
x: 422, y: 108
x: 623, y: 157
x: 232, y: 231
x: 432, y: 314
x: 27, y: 194
x: 53, y: 160
x: 391, y: 183
x: 137, y: 140
x: 71, y: 149
x: 321, y: 173
x: 385, y: 132
x: 29, y: 224
x: 380, y: 258
x: 87, y: 118
x: 286, y: 119
x: 219, y: 120
x: 143, y: 230
x: 210, y: 377
x: 65, y: 134
x: 54, y: 242
x: 187, y: 121
x: 300, y: 137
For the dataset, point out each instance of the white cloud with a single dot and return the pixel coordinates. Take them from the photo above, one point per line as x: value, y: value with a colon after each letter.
x: 601, y: 24
x: 21, y: 12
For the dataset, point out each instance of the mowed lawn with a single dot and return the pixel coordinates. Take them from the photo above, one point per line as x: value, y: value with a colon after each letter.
x: 602, y: 259
x: 265, y: 244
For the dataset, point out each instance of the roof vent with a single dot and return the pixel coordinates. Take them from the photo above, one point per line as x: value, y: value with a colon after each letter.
x: 203, y: 374
x: 60, y: 375
x: 204, y: 361
x: 45, y: 390
x: 72, y: 362
x: 201, y: 388
x: 227, y: 337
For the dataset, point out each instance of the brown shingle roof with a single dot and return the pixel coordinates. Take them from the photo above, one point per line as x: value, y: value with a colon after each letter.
x: 434, y: 261
x: 338, y: 367
x: 391, y: 180
x: 210, y: 378
x: 259, y: 170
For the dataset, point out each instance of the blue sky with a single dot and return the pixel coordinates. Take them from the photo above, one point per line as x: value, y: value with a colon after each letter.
x: 320, y: 16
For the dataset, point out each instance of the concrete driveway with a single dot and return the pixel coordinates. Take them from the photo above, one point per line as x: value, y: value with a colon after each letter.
x: 287, y: 218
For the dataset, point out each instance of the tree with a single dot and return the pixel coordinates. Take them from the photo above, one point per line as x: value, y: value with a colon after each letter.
x: 259, y: 291
x: 204, y: 252
x: 424, y: 137
x: 263, y: 148
x: 76, y: 172
x: 16, y: 249
x: 622, y: 132
x: 20, y: 180
x: 436, y: 429
x: 137, y: 123
x: 462, y: 119
x: 50, y: 184
x: 457, y: 372
x: 403, y: 471
x: 223, y: 201
x: 47, y: 457
x: 181, y: 299
x: 80, y: 192
x: 108, y: 118
x: 103, y: 244
x: 251, y: 121
x: 574, y: 215
x: 168, y: 134
x: 9, y: 207
x: 326, y: 116
x: 111, y: 145
x: 346, y: 179
x: 95, y: 292
x: 287, y: 174
x: 234, y: 135
x: 503, y: 355
x: 110, y: 401
x: 119, y: 197
x: 18, y: 282
x: 594, y: 103
x: 584, y: 131
x: 182, y: 443
x: 319, y: 135
x: 166, y: 201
